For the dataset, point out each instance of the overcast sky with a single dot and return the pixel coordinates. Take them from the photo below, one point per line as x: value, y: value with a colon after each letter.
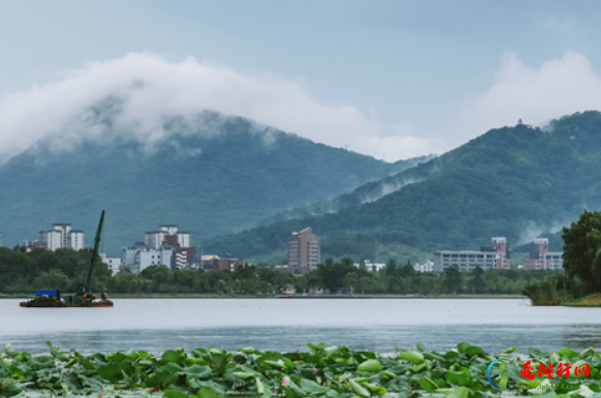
x: 394, y: 79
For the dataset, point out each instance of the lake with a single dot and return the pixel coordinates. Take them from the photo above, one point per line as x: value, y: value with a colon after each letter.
x: 289, y: 324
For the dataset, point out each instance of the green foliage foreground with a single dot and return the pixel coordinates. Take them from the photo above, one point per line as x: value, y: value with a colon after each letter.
x: 330, y: 372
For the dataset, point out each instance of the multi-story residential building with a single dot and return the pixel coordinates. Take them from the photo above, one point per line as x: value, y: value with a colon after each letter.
x: 539, y: 256
x: 61, y: 236
x: 488, y: 257
x: 428, y: 266
x: 553, y: 260
x: 303, y: 251
x: 114, y: 263
x: 139, y: 257
x: 179, y: 240
x: 156, y: 238
x: 209, y: 262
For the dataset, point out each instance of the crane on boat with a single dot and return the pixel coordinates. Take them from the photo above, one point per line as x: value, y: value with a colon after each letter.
x: 84, y: 296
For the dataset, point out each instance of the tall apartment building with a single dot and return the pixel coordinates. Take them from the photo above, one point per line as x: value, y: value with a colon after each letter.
x: 303, y: 251
x: 539, y: 256
x: 61, y: 236
x: 156, y: 238
x: 488, y: 257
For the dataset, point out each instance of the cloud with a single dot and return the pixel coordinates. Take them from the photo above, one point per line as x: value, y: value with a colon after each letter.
x: 535, y: 95
x: 143, y: 89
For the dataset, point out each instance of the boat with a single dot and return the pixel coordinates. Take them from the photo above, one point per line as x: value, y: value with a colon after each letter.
x: 83, y: 297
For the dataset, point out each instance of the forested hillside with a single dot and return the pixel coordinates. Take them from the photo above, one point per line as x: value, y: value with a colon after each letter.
x: 516, y: 182
x: 214, y: 175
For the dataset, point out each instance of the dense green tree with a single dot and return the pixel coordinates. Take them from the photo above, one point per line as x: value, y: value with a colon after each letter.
x: 52, y: 279
x: 476, y: 284
x: 407, y: 270
x: 391, y: 267
x: 582, y: 250
x: 23, y: 272
x: 452, y: 279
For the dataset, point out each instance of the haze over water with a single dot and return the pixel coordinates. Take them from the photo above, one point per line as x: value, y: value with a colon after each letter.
x: 156, y: 325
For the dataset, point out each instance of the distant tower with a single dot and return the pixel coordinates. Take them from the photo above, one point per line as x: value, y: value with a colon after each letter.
x: 304, y: 251
x: 502, y: 259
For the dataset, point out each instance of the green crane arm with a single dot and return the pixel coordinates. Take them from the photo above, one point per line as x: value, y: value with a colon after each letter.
x: 90, y: 280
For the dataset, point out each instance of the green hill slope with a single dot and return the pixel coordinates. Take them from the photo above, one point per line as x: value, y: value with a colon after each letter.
x: 513, y: 181
x: 219, y: 175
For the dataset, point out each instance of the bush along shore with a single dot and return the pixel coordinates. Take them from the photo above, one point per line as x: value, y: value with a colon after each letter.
x: 322, y: 371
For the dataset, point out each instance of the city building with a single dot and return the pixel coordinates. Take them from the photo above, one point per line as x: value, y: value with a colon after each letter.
x: 428, y: 266
x: 155, y: 239
x: 140, y: 256
x: 539, y: 256
x: 303, y: 251
x: 210, y: 262
x: 114, y: 263
x: 183, y: 254
x: 61, y: 236
x: 488, y: 257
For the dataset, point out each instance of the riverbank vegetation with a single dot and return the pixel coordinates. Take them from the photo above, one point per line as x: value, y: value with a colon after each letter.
x: 24, y: 272
x: 581, y: 263
x: 321, y: 371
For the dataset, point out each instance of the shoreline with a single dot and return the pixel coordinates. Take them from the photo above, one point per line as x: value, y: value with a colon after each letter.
x: 300, y: 296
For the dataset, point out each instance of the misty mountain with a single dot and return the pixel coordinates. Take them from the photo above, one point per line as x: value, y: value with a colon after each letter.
x: 211, y: 175
x: 517, y: 182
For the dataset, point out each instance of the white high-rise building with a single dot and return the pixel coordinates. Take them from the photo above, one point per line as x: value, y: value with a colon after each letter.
x: 155, y: 239
x: 183, y: 254
x: 61, y: 236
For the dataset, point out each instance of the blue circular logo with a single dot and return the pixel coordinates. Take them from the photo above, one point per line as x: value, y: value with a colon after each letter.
x: 490, y: 367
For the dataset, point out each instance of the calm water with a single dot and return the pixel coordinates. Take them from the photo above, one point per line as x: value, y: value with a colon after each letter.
x: 288, y: 324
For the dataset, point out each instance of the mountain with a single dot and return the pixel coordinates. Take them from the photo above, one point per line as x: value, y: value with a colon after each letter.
x: 211, y: 175
x: 516, y: 182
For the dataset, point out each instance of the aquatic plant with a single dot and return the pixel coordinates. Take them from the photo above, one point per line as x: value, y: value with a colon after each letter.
x: 330, y: 372
x: 552, y: 290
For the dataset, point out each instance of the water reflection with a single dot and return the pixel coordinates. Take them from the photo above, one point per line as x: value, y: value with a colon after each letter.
x: 492, y: 338
x: 287, y: 325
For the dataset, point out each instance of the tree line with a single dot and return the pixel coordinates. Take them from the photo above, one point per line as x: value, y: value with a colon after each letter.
x: 64, y: 269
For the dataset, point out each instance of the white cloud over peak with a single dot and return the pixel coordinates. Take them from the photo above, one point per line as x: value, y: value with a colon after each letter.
x: 536, y: 95
x: 150, y: 88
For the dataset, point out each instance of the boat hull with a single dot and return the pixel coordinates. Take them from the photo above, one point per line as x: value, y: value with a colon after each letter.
x: 62, y: 304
